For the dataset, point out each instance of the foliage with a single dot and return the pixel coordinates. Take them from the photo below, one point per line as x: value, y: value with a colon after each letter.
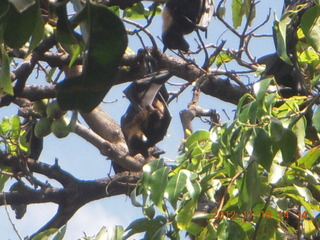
x: 255, y: 170
x: 254, y: 177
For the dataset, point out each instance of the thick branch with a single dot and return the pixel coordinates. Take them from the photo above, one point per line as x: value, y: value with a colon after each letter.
x: 117, y: 152
x: 73, y: 196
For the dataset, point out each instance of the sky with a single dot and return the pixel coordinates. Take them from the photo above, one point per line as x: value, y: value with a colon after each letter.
x: 85, y: 162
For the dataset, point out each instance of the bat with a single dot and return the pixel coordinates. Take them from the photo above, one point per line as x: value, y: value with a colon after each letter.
x: 147, y: 118
x: 181, y: 17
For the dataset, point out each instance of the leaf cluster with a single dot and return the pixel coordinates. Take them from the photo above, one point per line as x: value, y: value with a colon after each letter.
x: 252, y: 172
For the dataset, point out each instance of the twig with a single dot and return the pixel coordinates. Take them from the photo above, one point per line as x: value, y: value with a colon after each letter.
x: 10, y: 220
x: 153, y: 41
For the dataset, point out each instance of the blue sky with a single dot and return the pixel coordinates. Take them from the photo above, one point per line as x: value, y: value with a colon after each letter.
x: 85, y: 162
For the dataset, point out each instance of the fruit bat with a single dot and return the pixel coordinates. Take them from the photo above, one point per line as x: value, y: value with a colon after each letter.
x: 182, y: 17
x: 147, y: 118
x: 288, y: 76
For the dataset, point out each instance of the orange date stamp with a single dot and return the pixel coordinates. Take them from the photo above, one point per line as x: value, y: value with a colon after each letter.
x: 264, y: 214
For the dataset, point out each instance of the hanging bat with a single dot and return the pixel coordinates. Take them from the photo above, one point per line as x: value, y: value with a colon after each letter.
x: 181, y: 17
x: 147, y: 118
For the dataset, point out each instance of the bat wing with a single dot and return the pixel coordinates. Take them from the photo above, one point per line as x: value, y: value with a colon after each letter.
x: 142, y: 93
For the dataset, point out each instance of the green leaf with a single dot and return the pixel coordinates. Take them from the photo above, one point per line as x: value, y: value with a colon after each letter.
x: 276, y: 134
x: 316, y: 120
x: 276, y: 173
x: 249, y: 113
x: 134, y: 200
x: 185, y: 214
x: 5, y: 79
x: 305, y: 193
x: 65, y: 32
x: 223, y: 57
x: 262, y: 152
x: 145, y: 225
x: 260, y: 89
x: 237, y: 13
x: 250, y: 11
x: 194, y: 189
x: 38, y: 32
x: 3, y: 178
x: 310, y: 25
x: 5, y: 126
x: 249, y: 190
x: 20, y: 26
x: 288, y: 146
x: 158, y: 184
x: 228, y: 230
x: 117, y: 232
x: 176, y: 185
x: 106, y: 46
x: 310, y: 158
x: 135, y: 12
x: 299, y: 129
x: 61, y: 233
x: 15, y: 126
x: 22, y: 5
x: 102, y: 234
x: 149, y: 211
x: 196, y: 137
x: 267, y: 229
x: 280, y: 28
x: 137, y: 226
x: 45, y: 235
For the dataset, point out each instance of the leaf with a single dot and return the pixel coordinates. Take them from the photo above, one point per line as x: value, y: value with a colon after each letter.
x: 65, y: 32
x: 304, y: 192
x: 250, y: 10
x: 61, y: 233
x: 262, y: 152
x: 194, y: 190
x: 22, y: 5
x: 20, y: 26
x: 249, y: 113
x: 288, y: 146
x: 38, y: 32
x: 267, y: 229
x: 196, y: 137
x: 309, y: 229
x: 3, y: 178
x: 134, y: 200
x: 316, y: 120
x: 185, y: 214
x: 5, y: 79
x: 249, y: 191
x: 176, y: 185
x: 117, y: 232
x: 223, y: 57
x: 135, y: 12
x: 276, y: 134
x: 145, y: 225
x: 276, y: 173
x: 280, y: 28
x: 237, y: 13
x: 310, y: 158
x: 106, y: 45
x: 260, y: 89
x: 15, y: 126
x: 228, y: 229
x: 138, y: 226
x: 310, y: 25
x: 45, y: 235
x: 158, y: 184
x: 102, y: 234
